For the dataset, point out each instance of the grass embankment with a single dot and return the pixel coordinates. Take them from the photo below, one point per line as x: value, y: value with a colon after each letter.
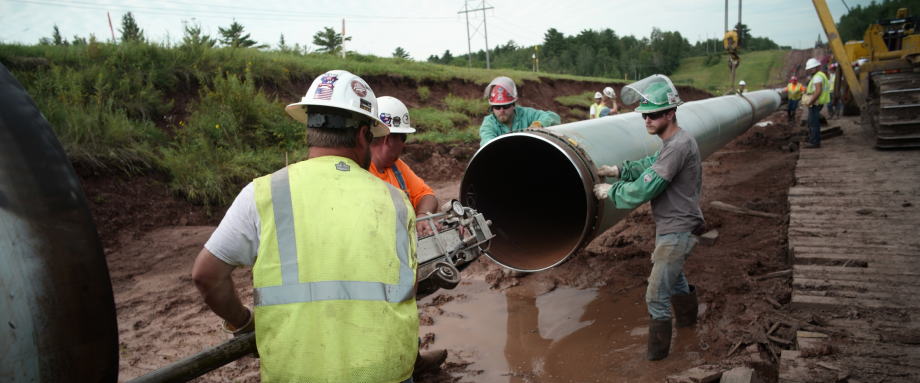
x: 711, y: 74
x: 209, y: 118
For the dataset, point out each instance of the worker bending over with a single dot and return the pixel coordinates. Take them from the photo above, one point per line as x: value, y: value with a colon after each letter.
x: 609, y: 101
x: 505, y: 117
x: 332, y: 250
x: 672, y: 180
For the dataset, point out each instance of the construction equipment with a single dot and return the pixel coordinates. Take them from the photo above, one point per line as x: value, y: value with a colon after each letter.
x: 460, y: 236
x: 887, y: 87
x: 536, y: 185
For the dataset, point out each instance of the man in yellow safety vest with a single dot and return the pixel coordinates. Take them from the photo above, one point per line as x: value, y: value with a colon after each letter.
x: 332, y: 250
x: 816, y: 96
x: 794, y: 91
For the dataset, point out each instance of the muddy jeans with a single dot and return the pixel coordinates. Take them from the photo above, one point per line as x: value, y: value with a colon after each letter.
x: 667, y: 277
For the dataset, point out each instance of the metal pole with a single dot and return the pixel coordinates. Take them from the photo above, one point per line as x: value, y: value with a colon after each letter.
x: 469, y: 48
x: 203, y: 362
x: 534, y: 234
x: 485, y: 28
x: 726, y: 15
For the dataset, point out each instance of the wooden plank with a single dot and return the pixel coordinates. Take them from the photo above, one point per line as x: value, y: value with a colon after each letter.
x: 871, y: 259
x: 818, y: 269
x: 867, y: 251
x: 837, y: 242
x: 800, y: 300
x: 886, y: 298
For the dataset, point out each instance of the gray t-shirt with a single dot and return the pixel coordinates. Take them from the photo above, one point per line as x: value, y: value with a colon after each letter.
x: 677, y: 208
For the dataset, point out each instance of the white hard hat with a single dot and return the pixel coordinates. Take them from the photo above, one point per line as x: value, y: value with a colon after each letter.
x: 394, y: 114
x: 742, y: 83
x: 609, y: 92
x: 598, y: 95
x: 501, y: 91
x: 812, y: 63
x: 342, y: 90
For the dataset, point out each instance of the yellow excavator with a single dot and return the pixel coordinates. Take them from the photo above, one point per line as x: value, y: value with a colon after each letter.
x: 886, y: 87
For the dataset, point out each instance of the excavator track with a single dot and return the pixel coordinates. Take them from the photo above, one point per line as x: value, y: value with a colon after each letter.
x: 898, y: 108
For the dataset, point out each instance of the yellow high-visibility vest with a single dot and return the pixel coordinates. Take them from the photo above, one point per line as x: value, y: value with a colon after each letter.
x: 335, y: 274
x: 795, y: 91
x: 825, y: 95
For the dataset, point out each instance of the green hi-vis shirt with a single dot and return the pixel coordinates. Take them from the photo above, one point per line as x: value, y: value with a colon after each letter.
x: 523, y: 117
x: 672, y: 179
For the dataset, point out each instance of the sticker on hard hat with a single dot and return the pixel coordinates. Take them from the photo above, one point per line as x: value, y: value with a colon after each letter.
x: 366, y: 105
x: 342, y: 166
x: 359, y: 88
x: 647, y: 178
x: 387, y: 119
x: 406, y: 118
x: 672, y: 98
x: 325, y: 87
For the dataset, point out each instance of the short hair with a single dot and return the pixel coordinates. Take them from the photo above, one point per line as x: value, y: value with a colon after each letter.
x: 330, y: 136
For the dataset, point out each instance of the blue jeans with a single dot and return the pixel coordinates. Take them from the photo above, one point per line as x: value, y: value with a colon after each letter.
x: 667, y: 277
x: 793, y: 105
x: 814, y: 124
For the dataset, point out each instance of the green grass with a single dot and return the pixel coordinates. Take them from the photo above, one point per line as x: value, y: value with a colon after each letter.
x: 431, y: 119
x: 468, y: 134
x: 757, y: 69
x: 469, y: 106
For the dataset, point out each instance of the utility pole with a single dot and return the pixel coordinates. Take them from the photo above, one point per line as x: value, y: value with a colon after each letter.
x: 469, y: 49
x: 110, y: 28
x: 343, y: 37
x: 466, y: 10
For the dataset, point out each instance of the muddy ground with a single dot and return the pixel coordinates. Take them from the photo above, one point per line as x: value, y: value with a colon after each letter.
x: 151, y: 239
x: 581, y: 321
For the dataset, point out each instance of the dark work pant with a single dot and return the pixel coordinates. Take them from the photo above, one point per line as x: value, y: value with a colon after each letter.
x: 814, y: 124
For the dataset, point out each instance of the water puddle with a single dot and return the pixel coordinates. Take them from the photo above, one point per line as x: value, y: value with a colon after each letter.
x: 566, y: 335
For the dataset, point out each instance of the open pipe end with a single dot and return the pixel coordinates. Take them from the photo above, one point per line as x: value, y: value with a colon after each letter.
x: 536, y: 190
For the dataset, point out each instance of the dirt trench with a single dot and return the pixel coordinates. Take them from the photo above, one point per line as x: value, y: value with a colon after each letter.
x: 151, y: 238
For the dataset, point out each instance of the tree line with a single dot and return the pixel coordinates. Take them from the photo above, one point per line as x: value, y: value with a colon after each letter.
x: 603, y: 53
x: 852, y: 25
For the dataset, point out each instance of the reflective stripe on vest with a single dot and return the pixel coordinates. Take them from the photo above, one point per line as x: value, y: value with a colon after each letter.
x: 825, y: 95
x: 293, y: 291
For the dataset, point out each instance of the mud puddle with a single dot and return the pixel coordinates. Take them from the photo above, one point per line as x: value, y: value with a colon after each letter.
x: 523, y: 334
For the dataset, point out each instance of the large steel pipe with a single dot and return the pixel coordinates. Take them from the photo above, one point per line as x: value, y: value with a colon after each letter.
x: 57, y: 313
x: 536, y: 185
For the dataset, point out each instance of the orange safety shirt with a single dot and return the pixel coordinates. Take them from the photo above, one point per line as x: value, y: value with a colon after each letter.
x: 412, y: 184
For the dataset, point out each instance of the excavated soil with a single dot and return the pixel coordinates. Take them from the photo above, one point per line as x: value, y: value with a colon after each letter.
x: 151, y: 239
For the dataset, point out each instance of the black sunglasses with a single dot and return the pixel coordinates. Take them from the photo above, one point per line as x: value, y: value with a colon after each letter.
x: 511, y: 105
x: 654, y: 115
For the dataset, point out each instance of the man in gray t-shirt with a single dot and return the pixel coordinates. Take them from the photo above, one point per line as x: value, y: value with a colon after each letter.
x: 672, y: 180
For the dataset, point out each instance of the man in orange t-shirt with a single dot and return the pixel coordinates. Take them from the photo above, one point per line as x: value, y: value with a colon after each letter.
x: 386, y: 165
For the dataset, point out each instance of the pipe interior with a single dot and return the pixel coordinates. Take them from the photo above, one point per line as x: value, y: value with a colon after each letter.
x: 534, y: 197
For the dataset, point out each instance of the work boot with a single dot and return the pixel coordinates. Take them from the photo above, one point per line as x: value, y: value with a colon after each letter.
x: 429, y: 362
x: 659, y: 339
x: 685, y: 307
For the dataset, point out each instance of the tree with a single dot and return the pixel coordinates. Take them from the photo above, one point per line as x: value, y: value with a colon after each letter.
x: 401, y: 53
x: 329, y: 41
x: 129, y: 29
x: 56, y: 37
x: 77, y: 40
x: 282, y: 45
x: 743, y: 33
x: 233, y: 37
x: 194, y: 38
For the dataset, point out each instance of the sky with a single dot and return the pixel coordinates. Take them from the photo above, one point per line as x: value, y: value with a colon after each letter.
x: 420, y: 27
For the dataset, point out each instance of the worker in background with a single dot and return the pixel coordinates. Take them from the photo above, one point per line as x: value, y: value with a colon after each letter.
x: 332, y: 251
x: 505, y: 116
x: 794, y: 91
x: 672, y: 180
x: 816, y: 96
x: 385, y: 152
x: 595, y: 110
x: 610, y: 103
x: 831, y: 86
x: 742, y: 86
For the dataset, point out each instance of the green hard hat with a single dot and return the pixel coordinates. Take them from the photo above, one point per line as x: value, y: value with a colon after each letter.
x: 653, y: 93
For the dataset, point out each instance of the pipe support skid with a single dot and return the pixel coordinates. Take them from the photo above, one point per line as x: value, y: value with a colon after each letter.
x: 536, y: 185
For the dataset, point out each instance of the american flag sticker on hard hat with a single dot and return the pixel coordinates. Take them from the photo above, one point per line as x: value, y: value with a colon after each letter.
x: 325, y: 87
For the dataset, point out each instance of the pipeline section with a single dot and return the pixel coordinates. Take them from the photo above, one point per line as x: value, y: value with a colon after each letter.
x: 57, y: 309
x: 536, y: 185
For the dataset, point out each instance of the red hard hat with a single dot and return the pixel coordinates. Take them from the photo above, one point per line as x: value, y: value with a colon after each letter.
x: 500, y: 96
x: 794, y: 79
